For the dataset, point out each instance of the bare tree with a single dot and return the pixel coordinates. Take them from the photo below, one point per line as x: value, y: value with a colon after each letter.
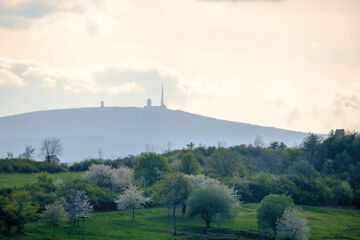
x: 28, y: 152
x: 100, y: 154
x: 51, y: 148
x: 169, y: 145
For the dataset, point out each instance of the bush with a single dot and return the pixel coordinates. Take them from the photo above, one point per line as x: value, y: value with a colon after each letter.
x: 21, y: 165
x: 271, y: 208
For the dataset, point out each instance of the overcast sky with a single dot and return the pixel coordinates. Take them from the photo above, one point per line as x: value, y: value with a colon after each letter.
x: 293, y: 64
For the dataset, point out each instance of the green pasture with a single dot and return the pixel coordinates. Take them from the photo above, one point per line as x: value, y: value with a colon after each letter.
x: 153, y: 224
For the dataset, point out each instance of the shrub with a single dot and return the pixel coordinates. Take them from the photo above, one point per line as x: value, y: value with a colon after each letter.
x: 271, y: 208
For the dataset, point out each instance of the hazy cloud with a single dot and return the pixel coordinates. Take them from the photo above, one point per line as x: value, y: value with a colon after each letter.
x: 111, y: 79
x: 8, y: 78
x: 16, y: 13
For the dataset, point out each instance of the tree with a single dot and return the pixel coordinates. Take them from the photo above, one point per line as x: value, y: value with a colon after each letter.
x: 314, y: 154
x: 28, y: 152
x: 223, y: 162
x: 100, y: 174
x: 54, y: 215
x: 105, y: 176
x: 189, y: 164
x: 51, y: 149
x: 211, y: 201
x: 190, y: 145
x: 19, y: 209
x: 77, y: 205
x: 271, y: 208
x: 121, y: 178
x: 173, y: 191
x: 151, y: 167
x: 131, y: 199
x: 292, y: 225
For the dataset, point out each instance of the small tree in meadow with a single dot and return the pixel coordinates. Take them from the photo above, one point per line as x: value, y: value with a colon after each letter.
x: 271, y: 209
x: 292, y: 225
x: 210, y: 202
x: 54, y: 215
x: 77, y: 205
x: 173, y: 191
x: 131, y: 199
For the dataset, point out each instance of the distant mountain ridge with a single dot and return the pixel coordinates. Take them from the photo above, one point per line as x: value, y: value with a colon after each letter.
x: 120, y: 131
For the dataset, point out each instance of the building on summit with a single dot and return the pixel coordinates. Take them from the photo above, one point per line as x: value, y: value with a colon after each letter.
x: 162, y: 105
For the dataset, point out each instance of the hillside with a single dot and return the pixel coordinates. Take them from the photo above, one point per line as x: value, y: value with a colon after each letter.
x: 121, y: 131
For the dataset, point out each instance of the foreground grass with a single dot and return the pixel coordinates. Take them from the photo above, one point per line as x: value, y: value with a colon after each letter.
x: 153, y: 224
x: 19, y: 179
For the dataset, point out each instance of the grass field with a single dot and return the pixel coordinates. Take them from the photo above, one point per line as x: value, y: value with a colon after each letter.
x: 18, y: 180
x: 153, y: 224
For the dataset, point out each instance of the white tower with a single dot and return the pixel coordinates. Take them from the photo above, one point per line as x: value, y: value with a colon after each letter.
x: 162, y: 96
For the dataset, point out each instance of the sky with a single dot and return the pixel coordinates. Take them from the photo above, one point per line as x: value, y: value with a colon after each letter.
x: 292, y: 64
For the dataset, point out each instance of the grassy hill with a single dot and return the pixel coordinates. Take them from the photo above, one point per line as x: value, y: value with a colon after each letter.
x: 18, y: 180
x: 325, y: 223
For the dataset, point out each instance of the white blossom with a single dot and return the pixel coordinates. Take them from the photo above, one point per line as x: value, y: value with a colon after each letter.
x: 131, y: 199
x: 292, y: 225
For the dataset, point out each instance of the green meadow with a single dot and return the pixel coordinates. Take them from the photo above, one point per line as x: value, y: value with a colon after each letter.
x: 18, y: 180
x: 153, y: 224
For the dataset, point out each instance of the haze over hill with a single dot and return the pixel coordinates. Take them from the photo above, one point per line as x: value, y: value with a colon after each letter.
x: 120, y: 131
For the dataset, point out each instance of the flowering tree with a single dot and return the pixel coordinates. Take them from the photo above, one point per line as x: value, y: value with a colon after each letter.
x: 131, y: 199
x: 54, y: 215
x: 78, y: 205
x: 292, y: 225
x: 106, y: 176
x: 121, y: 178
x: 99, y: 174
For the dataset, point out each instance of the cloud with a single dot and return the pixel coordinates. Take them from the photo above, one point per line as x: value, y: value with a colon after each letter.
x: 110, y: 79
x: 15, y: 14
x: 8, y: 78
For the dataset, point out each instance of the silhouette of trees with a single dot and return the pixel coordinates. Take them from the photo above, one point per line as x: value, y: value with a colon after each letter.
x: 51, y: 149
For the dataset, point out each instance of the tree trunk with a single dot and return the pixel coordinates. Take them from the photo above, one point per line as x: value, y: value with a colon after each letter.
x: 168, y: 213
x: 208, y: 224
x: 54, y: 228
x: 133, y: 213
x: 183, y: 210
x: 174, y: 216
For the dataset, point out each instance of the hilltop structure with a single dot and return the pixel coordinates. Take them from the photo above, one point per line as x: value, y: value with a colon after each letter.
x: 162, y: 104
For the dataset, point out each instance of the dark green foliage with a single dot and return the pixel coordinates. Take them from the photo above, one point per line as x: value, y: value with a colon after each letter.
x: 43, y: 191
x: 21, y: 165
x: 150, y: 168
x: 84, y: 165
x: 189, y: 164
x: 223, y: 162
x: 18, y: 209
x: 271, y: 209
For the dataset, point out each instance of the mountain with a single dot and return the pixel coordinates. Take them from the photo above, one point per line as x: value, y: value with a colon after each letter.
x: 120, y: 131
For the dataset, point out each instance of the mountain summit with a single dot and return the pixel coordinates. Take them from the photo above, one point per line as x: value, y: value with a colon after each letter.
x: 120, y: 131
